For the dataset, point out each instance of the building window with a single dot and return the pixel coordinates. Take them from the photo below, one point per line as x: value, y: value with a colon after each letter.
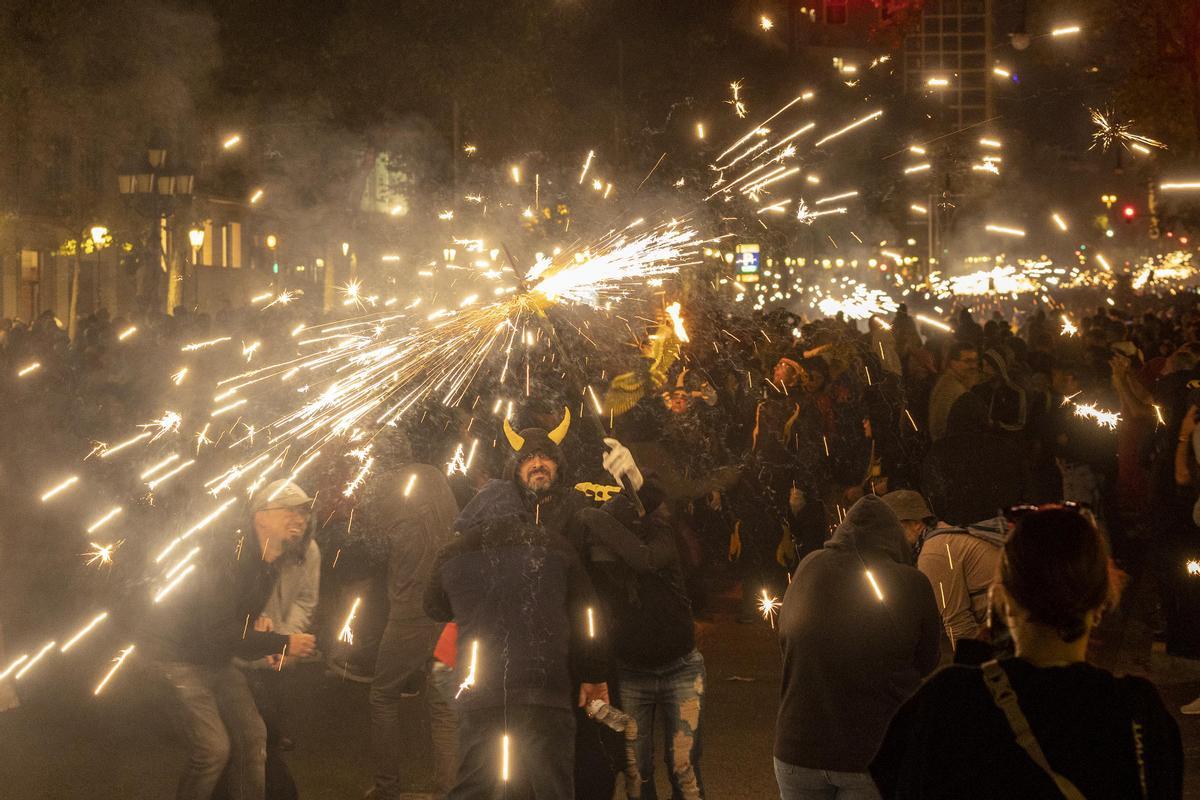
x: 836, y: 12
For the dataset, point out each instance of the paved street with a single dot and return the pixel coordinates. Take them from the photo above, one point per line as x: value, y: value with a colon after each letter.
x: 65, y: 744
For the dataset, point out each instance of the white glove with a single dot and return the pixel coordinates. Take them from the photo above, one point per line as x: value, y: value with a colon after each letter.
x: 619, y: 463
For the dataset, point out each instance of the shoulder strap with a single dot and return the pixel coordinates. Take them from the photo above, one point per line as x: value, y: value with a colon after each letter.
x: 996, y: 680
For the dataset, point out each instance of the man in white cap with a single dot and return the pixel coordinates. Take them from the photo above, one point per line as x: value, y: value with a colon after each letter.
x: 191, y: 636
x: 960, y: 562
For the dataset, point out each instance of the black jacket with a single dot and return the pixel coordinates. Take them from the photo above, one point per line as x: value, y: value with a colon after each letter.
x: 208, y: 618
x: 635, y: 567
x: 521, y: 591
x: 950, y: 741
x: 849, y: 658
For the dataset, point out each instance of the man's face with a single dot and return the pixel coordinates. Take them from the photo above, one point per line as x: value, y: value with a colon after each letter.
x: 965, y: 366
x: 280, y: 530
x: 785, y: 374
x: 678, y: 402
x: 537, y: 473
x: 913, y: 528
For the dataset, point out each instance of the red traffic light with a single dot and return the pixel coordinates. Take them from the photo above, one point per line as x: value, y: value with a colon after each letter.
x: 1129, y: 212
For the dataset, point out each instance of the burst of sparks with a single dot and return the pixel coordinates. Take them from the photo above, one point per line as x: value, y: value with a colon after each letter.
x: 469, y: 680
x: 1104, y: 419
x: 1109, y: 132
x: 765, y: 23
x: 117, y: 662
x: 347, y: 633
x: 169, y: 422
x: 739, y: 107
x: 102, y: 554
x: 1068, y: 327
x: 1193, y: 568
x: 769, y: 607
x: 178, y: 377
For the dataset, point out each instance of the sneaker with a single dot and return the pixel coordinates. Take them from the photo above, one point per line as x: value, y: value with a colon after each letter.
x: 1191, y: 708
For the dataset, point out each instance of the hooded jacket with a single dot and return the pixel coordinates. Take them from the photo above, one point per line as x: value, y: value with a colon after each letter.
x: 849, y: 658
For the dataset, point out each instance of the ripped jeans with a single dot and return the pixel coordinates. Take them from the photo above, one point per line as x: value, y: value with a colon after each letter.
x: 674, y: 693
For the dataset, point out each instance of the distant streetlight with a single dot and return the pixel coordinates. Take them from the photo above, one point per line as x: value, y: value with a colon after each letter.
x: 196, y: 237
x: 271, y: 241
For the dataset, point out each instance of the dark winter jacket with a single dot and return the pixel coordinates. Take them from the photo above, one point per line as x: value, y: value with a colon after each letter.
x: 208, y: 618
x: 634, y: 564
x: 849, y: 658
x: 418, y: 520
x: 520, y: 590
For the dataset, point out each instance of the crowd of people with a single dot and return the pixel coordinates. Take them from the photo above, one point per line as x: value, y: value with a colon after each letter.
x: 901, y: 493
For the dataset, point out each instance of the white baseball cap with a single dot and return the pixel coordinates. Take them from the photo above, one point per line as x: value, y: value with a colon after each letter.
x: 281, y: 493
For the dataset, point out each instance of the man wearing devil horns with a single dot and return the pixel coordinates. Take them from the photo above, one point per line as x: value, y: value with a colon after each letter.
x: 531, y: 642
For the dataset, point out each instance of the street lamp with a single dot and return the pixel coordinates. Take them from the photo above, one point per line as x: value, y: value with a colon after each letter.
x: 99, y: 236
x: 149, y: 181
x: 196, y: 239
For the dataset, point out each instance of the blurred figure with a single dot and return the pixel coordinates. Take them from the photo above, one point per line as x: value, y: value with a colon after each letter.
x: 859, y: 629
x: 1015, y: 727
x: 957, y: 378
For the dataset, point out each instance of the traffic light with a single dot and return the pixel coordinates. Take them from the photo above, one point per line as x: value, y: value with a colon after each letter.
x: 1129, y: 212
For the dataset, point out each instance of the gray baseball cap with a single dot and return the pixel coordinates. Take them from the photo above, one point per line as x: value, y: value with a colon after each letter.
x: 281, y: 493
x: 909, y: 505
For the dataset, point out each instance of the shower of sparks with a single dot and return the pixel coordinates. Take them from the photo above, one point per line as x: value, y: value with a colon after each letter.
x: 1004, y: 230
x: 125, y: 334
x: 347, y: 633
x: 993, y: 143
x: 874, y: 585
x: 1109, y: 132
x: 28, y: 369
x: 84, y: 631
x: 1193, y: 568
x: 102, y: 554
x: 917, y: 168
x: 1059, y: 221
x: 110, y: 451
x: 673, y: 311
x: 194, y: 529
x: 29, y: 664
x: 258, y: 195
x: 232, y: 141
x: 739, y: 107
x: 1068, y: 327
x: 178, y: 377
x: 68, y: 483
x: 835, y: 198
x: 920, y: 209
x: 765, y: 23
x: 117, y: 662
x: 469, y: 680
x: 1066, y: 30
x: 769, y: 606
x: 169, y: 422
x: 1104, y: 419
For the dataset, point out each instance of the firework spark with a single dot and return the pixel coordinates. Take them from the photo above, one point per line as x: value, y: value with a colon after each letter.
x: 347, y: 633
x: 1109, y: 132
x: 117, y: 662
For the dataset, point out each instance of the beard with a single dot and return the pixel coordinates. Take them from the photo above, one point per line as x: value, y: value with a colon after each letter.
x: 539, y: 480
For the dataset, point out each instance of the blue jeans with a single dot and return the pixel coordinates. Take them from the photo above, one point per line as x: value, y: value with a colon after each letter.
x: 675, y: 692
x: 217, y: 715
x: 804, y: 783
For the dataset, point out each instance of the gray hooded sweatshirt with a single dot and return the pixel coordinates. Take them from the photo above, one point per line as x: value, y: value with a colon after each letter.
x: 850, y: 658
